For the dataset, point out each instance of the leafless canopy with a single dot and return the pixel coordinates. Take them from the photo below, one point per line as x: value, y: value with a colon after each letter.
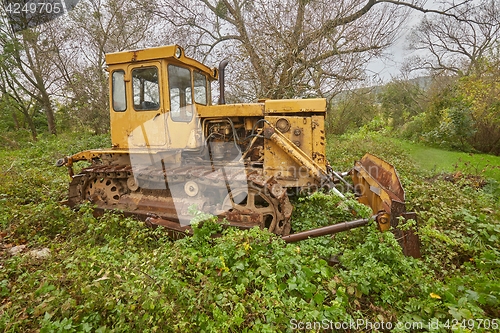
x: 458, y: 44
x: 288, y: 48
x: 291, y: 48
x: 276, y: 48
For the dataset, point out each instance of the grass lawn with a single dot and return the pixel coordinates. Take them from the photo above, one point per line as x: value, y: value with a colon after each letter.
x: 440, y: 160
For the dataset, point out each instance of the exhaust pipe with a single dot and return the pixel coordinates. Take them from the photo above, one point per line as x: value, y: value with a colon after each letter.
x: 222, y: 66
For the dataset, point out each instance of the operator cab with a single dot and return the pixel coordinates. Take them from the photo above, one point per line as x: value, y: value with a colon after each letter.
x: 153, y: 97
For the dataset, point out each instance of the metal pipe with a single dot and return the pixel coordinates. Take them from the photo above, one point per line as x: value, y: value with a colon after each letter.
x: 328, y: 230
x: 222, y: 66
x: 341, y: 178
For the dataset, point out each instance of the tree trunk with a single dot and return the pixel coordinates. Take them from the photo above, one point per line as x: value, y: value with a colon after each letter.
x: 34, y: 134
x: 16, y: 122
x: 31, y: 124
x: 49, y: 113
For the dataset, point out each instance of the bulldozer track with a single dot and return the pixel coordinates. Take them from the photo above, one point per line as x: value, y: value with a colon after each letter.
x: 244, y: 197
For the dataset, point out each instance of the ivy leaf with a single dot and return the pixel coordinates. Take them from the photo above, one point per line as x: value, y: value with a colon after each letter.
x: 239, y: 265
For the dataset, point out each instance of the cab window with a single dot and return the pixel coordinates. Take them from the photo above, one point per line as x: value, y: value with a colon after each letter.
x: 146, y: 88
x: 200, y: 88
x: 180, y: 92
x: 118, y: 90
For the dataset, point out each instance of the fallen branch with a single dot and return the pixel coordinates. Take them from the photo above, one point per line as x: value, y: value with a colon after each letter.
x: 11, y: 166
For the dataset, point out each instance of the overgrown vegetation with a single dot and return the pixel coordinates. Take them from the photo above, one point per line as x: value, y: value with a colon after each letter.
x: 464, y: 114
x: 112, y: 274
x: 451, y: 112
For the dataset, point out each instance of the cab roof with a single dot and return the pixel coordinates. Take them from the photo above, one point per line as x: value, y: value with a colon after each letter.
x: 173, y: 53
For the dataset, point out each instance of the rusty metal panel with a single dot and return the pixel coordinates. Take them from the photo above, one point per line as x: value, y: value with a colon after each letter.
x: 377, y: 183
x: 248, y: 218
x: 132, y: 128
x: 385, y: 174
x: 407, y: 239
x: 318, y: 140
x: 140, y: 55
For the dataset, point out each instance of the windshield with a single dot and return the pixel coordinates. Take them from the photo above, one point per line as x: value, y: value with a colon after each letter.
x: 146, y: 88
x: 200, y: 88
x: 179, y: 82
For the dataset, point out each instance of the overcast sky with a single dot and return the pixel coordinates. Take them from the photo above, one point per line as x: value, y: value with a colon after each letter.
x: 390, y: 66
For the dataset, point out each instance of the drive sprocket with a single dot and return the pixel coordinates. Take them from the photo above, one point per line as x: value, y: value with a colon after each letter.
x: 263, y: 203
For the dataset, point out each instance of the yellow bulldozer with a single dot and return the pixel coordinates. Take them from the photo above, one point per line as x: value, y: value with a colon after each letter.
x: 173, y: 150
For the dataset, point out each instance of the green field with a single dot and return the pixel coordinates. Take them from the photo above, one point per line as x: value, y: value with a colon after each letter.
x: 112, y: 274
x: 444, y: 161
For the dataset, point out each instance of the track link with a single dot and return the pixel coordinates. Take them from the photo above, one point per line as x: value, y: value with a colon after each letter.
x: 241, y: 196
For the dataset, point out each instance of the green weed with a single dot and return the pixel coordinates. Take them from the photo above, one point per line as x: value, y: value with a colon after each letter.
x: 111, y: 274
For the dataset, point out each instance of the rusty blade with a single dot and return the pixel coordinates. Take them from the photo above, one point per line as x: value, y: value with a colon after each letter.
x: 378, y: 186
x: 409, y: 241
x: 384, y: 173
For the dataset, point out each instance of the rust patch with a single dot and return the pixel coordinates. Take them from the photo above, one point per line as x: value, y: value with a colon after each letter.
x: 246, y: 217
x: 268, y: 132
x: 258, y: 180
x: 384, y: 173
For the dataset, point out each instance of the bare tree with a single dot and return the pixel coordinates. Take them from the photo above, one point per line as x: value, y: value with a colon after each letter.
x: 16, y: 100
x: 94, y: 28
x: 458, y: 44
x: 27, y: 66
x: 292, y: 48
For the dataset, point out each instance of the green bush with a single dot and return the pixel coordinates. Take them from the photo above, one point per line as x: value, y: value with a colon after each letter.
x: 351, y: 111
